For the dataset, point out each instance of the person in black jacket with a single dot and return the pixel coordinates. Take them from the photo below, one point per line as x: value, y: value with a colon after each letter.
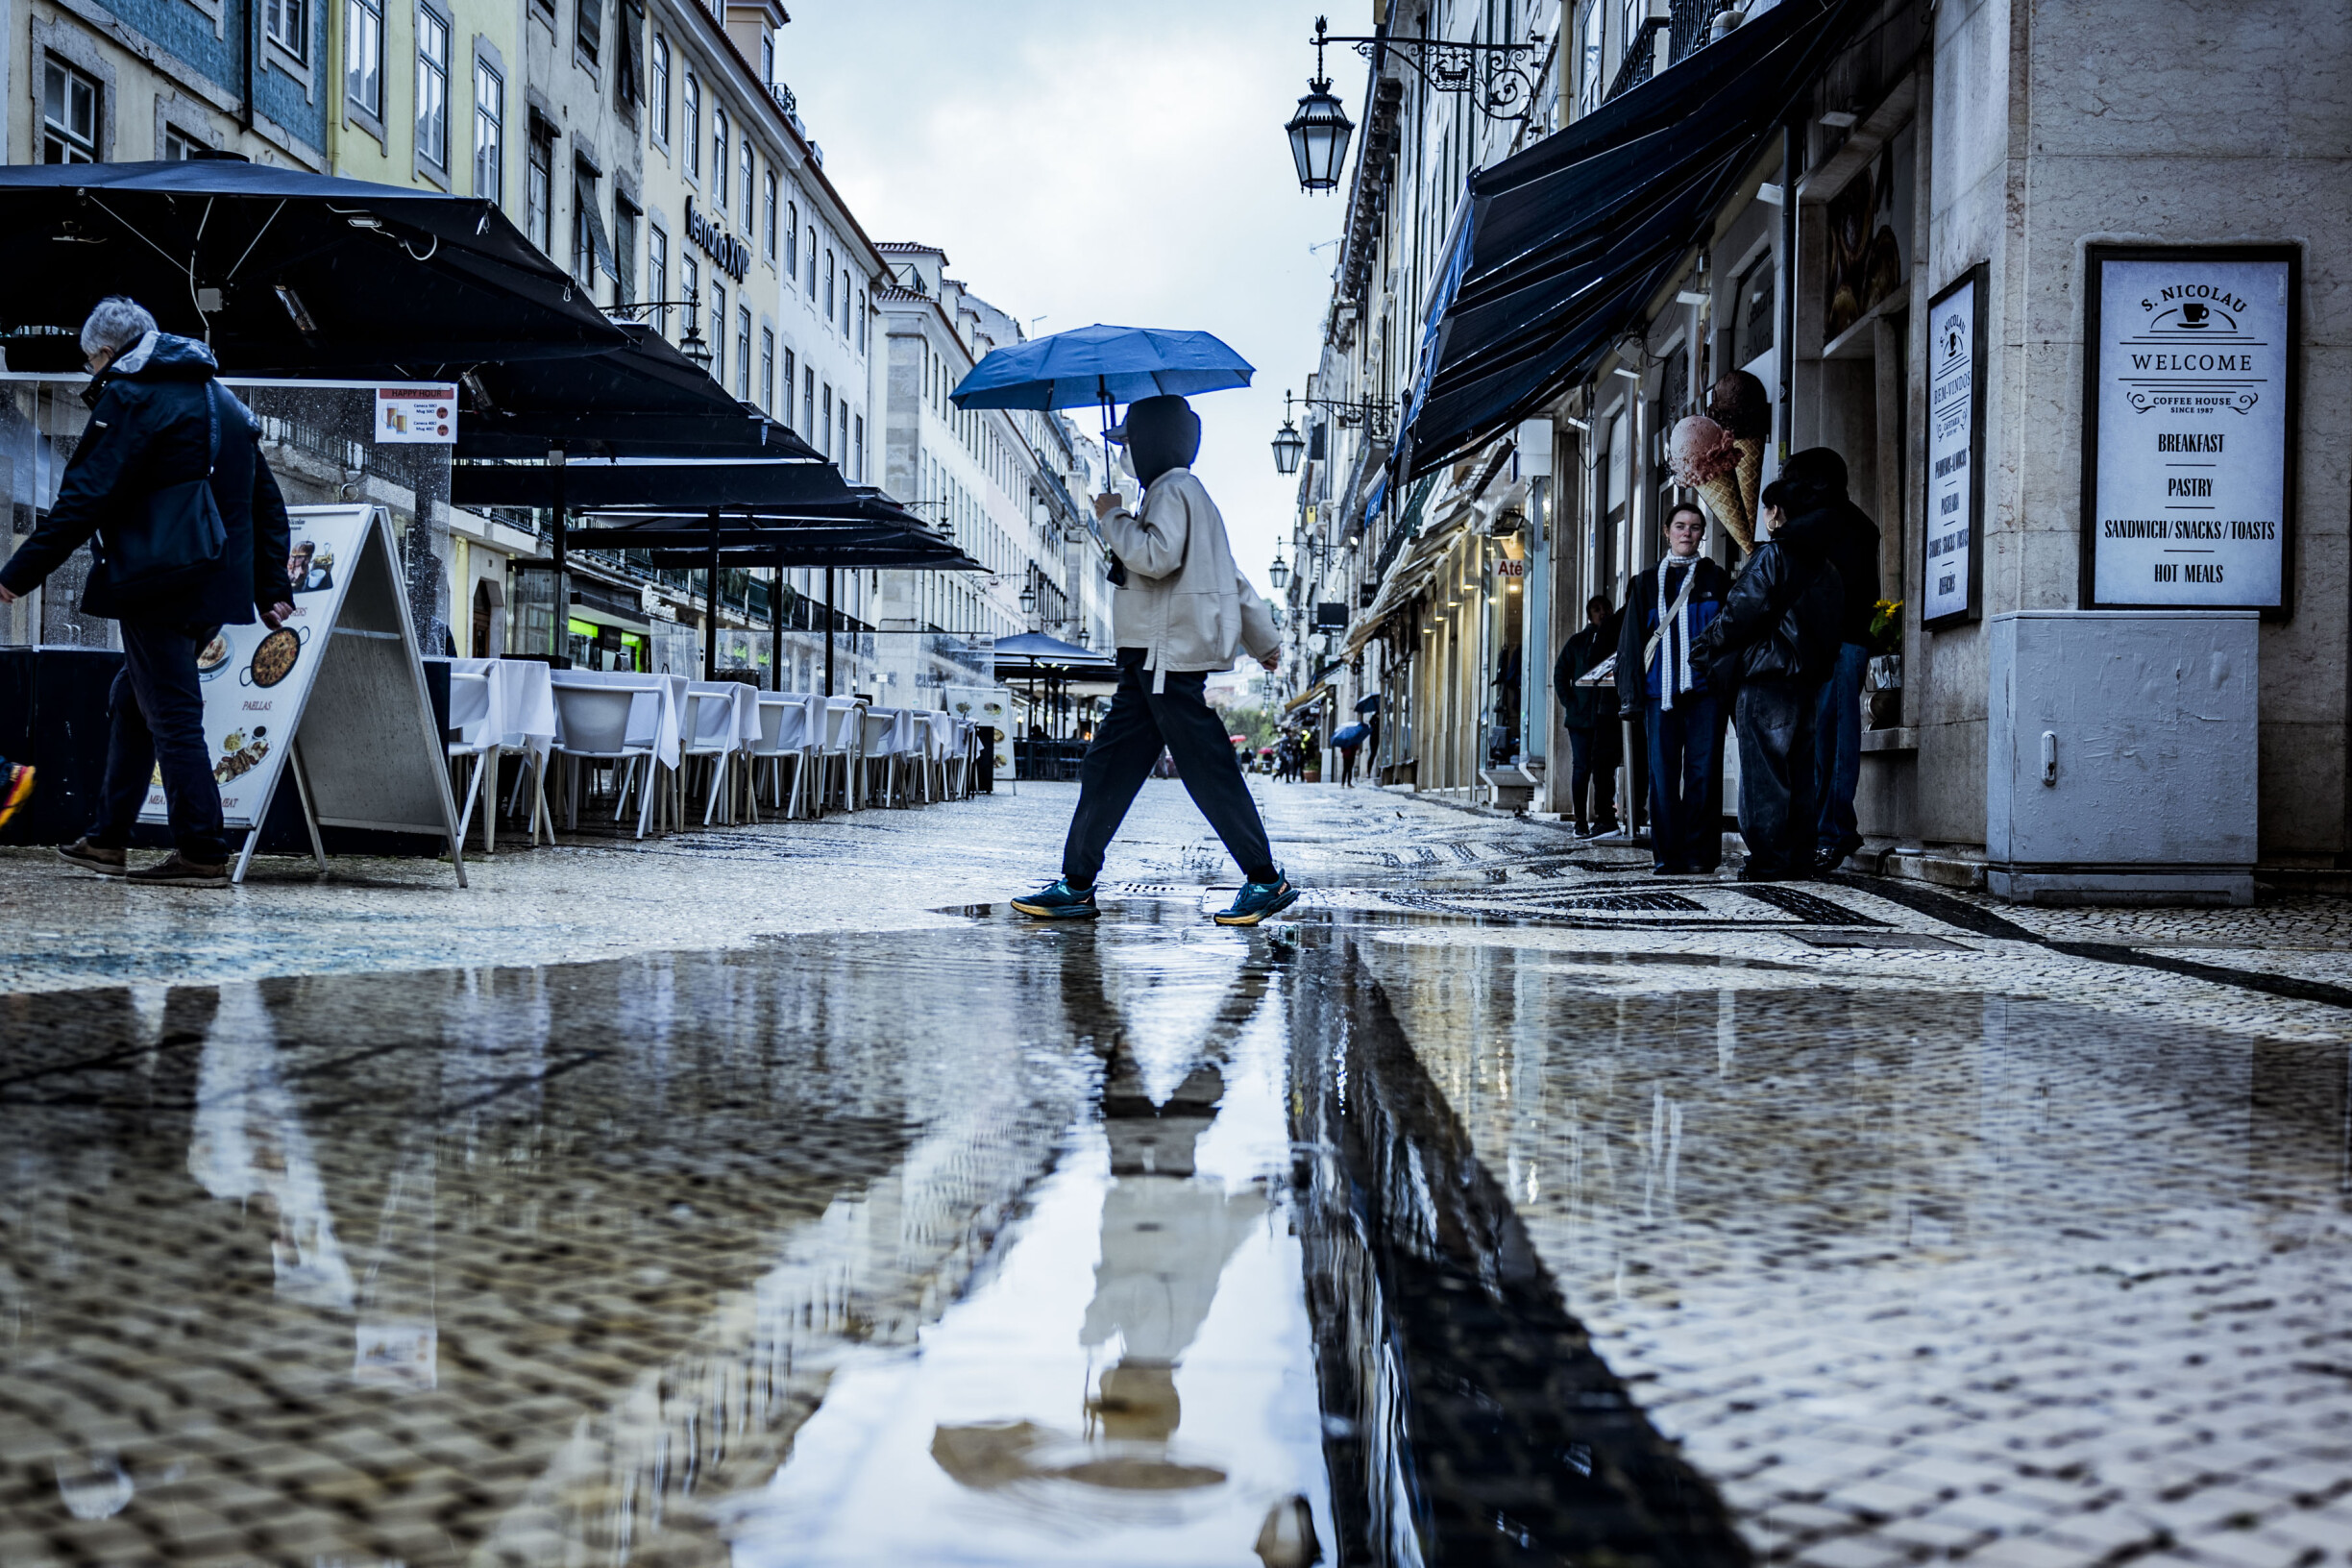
x: 153, y: 409
x: 1776, y: 641
x: 1589, y: 714
x: 1662, y: 683
x: 1814, y: 485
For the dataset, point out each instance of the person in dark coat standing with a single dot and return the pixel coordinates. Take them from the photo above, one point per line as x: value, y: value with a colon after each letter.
x: 1775, y: 640
x: 1814, y: 483
x: 153, y: 411
x: 1662, y: 683
x: 1589, y: 713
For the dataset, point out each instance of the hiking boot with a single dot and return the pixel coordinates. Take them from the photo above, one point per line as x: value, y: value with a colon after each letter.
x: 15, y: 788
x: 91, y: 857
x: 1257, y: 900
x: 175, y: 870
x: 1058, y: 901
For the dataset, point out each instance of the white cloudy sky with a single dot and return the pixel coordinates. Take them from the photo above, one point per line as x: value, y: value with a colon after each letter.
x: 1120, y: 160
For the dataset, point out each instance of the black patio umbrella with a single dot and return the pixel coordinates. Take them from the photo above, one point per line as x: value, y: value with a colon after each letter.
x: 642, y: 398
x: 868, y: 531
x: 282, y: 271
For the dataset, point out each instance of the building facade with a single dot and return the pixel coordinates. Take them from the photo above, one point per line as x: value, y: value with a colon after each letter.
x: 1927, y: 261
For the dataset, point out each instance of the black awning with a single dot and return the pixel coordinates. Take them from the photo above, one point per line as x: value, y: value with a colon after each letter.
x: 642, y: 398
x: 672, y: 487
x: 315, y: 274
x: 1568, y: 240
x: 868, y: 531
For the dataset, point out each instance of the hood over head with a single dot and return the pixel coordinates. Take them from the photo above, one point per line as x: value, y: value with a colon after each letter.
x: 1811, y: 490
x: 167, y: 357
x: 1162, y: 433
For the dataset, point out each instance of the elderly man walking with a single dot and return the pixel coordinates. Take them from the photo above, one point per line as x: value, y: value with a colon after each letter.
x: 1184, y: 610
x: 159, y: 424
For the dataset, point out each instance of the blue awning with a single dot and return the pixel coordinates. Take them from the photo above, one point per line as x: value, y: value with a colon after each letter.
x: 1372, y: 505
x: 1566, y: 243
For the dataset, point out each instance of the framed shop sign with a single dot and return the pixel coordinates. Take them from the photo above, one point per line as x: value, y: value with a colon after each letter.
x: 2192, y: 386
x: 1952, y: 587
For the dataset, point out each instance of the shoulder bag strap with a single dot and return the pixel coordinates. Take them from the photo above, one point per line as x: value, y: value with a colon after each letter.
x: 1689, y: 581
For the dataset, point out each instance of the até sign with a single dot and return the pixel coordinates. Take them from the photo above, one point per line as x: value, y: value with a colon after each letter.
x: 2189, y: 440
x: 730, y: 254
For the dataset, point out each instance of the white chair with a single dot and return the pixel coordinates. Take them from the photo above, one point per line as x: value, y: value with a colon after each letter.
x: 592, y: 724
x: 711, y: 735
x: 470, y: 717
x: 841, y: 740
x: 783, y: 721
x: 880, y: 751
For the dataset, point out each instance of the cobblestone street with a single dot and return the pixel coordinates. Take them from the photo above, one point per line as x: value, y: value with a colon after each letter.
x: 778, y: 1195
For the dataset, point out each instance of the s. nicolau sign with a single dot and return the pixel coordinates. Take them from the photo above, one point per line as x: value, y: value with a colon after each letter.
x: 2189, y: 427
x: 730, y: 254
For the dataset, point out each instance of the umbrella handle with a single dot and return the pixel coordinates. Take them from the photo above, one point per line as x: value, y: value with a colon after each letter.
x: 1117, y: 572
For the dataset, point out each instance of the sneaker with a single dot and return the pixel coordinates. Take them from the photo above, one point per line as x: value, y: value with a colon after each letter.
x: 92, y: 857
x: 1059, y: 902
x: 15, y: 787
x: 1257, y: 900
x: 176, y: 871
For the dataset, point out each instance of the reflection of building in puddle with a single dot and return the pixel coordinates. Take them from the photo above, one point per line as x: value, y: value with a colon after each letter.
x: 249, y: 1146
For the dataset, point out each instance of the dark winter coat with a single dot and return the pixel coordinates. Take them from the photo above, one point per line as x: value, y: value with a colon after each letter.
x: 1781, y: 619
x: 1814, y: 481
x: 1583, y: 708
x: 1638, y: 681
x: 148, y: 428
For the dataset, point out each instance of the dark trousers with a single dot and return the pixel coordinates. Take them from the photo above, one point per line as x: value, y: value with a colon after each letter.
x: 1593, y: 755
x: 1127, y: 743
x: 1779, y: 814
x: 1685, y: 770
x: 1347, y: 765
x: 154, y: 719
x: 1837, y: 749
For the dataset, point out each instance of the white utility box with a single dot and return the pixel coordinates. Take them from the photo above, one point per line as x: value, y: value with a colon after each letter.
x: 2120, y: 758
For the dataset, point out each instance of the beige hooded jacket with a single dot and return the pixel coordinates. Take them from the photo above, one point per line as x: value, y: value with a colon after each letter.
x: 1184, y: 603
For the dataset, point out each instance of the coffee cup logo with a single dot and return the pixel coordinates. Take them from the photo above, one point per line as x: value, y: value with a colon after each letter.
x: 2196, y: 314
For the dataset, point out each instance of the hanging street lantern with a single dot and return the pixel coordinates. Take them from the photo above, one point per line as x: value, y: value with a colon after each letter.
x: 1028, y: 599
x: 1288, y: 445
x: 692, y: 346
x: 1279, y: 573
x: 1319, y: 130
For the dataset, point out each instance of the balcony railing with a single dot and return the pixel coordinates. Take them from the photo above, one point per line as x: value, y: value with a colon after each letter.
x: 1687, y: 26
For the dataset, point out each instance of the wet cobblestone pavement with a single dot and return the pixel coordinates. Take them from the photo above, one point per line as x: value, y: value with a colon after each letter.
x: 775, y: 1196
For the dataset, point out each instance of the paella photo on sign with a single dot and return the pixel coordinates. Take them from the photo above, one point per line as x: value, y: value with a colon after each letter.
x: 273, y: 660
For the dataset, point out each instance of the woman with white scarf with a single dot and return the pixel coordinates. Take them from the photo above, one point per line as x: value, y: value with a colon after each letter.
x: 1664, y: 688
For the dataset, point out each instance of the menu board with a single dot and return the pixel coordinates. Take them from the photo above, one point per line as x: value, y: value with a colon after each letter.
x: 255, y: 681
x: 414, y: 414
x: 2190, y: 427
x: 1953, y: 571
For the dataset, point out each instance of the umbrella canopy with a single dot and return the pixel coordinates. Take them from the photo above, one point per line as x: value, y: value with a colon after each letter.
x: 282, y: 271
x: 868, y: 531
x: 1036, y: 654
x: 641, y: 400
x: 1098, y: 365
x: 667, y: 489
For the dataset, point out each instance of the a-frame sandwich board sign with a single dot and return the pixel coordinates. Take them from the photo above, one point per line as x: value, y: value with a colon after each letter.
x: 337, y: 696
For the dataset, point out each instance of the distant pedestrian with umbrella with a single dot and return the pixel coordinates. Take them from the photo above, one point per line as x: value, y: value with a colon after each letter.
x: 1181, y: 609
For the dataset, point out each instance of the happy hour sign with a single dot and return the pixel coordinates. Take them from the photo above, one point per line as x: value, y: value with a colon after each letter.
x: 2187, y: 476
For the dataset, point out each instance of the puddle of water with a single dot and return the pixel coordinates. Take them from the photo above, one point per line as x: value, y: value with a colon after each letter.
x: 993, y: 1244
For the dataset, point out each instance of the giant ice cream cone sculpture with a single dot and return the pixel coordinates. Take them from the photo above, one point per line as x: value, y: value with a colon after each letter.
x: 1739, y: 403
x: 1703, y: 457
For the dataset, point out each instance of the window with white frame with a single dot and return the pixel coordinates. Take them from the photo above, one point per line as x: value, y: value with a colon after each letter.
x: 691, y: 124
x: 658, y: 276
x: 591, y: 30
x: 1590, y: 60
x: 539, y: 188
x: 790, y: 361
x: 808, y: 403
x: 717, y: 331
x: 859, y: 452
x: 287, y: 23
x: 829, y: 293
x: 720, y: 138
x: 433, y: 88
x: 767, y: 381
x: 862, y: 313
x: 489, y: 132
x: 747, y: 167
x: 179, y: 146
x: 661, y: 89
x: 812, y: 277
x: 690, y: 292
x: 363, y: 36
x: 792, y: 241
x: 742, y: 355
x: 767, y: 211
x: 825, y: 438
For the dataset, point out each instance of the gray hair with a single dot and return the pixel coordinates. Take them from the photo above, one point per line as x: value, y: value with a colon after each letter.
x: 118, y: 322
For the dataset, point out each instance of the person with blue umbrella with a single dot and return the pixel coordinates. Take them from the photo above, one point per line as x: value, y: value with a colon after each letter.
x: 1180, y: 609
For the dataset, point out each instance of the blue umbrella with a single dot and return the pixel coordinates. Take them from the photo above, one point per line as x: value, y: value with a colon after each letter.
x: 1101, y: 365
